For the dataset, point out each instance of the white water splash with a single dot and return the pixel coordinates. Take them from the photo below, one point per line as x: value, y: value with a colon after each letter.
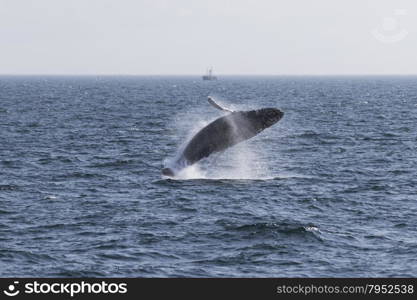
x: 191, y: 172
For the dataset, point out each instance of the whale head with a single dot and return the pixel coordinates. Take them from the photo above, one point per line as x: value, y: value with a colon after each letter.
x: 261, y: 119
x: 269, y: 116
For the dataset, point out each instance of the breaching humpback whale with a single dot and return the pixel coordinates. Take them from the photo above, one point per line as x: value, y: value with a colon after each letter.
x: 222, y: 133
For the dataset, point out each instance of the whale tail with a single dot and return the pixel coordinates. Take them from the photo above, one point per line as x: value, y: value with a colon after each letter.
x: 168, y: 172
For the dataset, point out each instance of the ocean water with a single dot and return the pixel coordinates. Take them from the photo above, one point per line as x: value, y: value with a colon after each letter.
x: 330, y: 190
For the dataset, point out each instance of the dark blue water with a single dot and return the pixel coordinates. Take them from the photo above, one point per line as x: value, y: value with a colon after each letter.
x: 330, y: 190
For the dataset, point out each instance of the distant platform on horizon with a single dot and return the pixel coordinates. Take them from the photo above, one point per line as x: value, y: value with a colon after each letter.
x: 209, y: 75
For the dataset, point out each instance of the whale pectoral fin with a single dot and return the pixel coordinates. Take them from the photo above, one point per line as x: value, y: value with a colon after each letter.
x: 216, y: 105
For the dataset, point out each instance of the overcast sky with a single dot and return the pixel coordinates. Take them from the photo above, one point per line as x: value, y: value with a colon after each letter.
x: 187, y: 36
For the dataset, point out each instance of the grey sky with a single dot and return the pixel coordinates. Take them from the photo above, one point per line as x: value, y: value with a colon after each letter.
x: 185, y: 36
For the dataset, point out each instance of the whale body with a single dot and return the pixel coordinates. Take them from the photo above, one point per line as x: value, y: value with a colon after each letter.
x: 223, y: 133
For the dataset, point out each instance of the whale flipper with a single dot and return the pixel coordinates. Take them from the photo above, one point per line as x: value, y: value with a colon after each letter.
x: 216, y: 105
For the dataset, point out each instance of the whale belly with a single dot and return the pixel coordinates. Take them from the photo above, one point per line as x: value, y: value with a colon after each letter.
x: 218, y: 136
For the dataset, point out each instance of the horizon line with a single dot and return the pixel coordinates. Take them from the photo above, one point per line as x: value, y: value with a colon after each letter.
x: 200, y: 75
